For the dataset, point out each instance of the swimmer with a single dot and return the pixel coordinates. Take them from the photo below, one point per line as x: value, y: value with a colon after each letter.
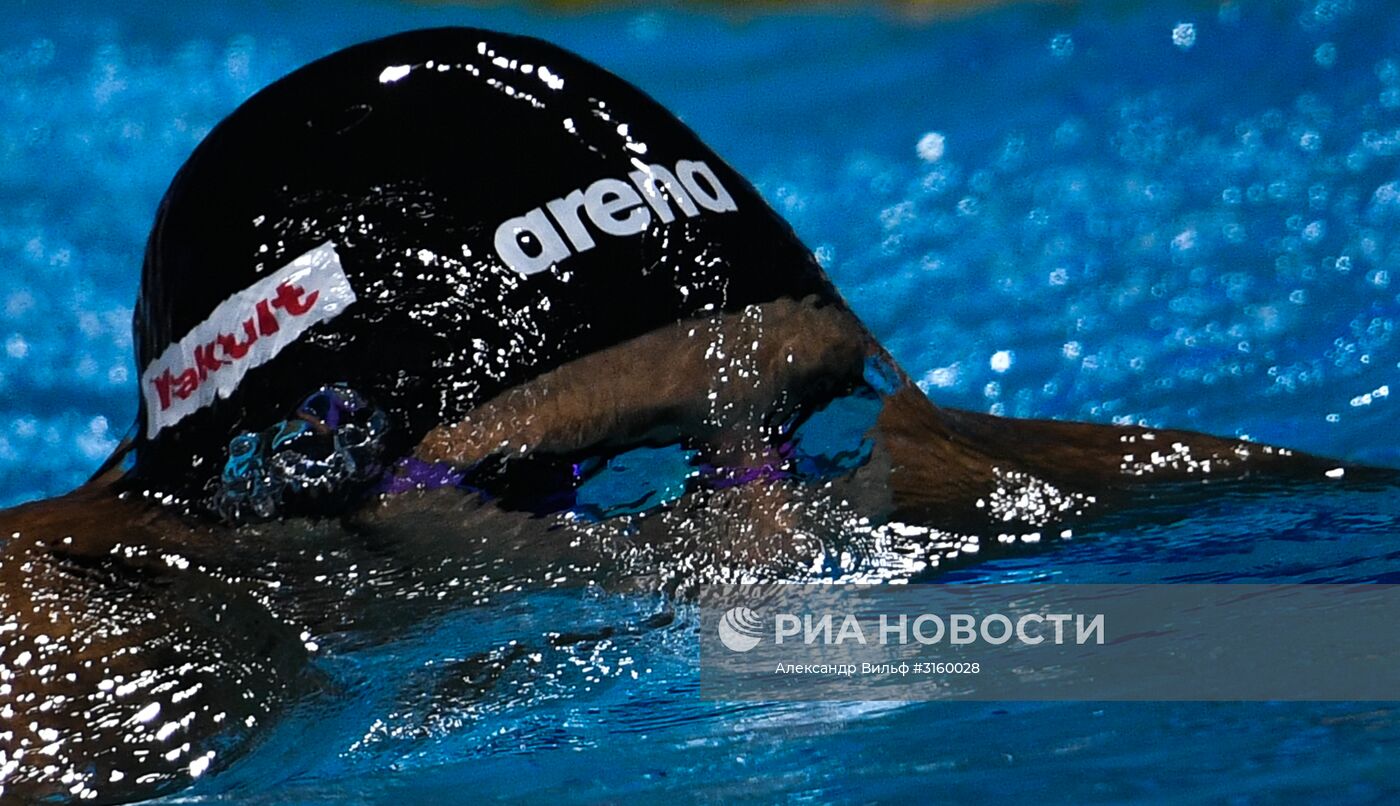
x: 406, y: 318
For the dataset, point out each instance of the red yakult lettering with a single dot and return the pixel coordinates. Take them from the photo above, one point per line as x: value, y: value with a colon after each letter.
x: 206, y: 361
x: 243, y: 332
x: 289, y: 299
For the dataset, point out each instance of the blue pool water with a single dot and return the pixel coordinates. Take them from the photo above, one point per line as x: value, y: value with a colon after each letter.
x: 1177, y: 213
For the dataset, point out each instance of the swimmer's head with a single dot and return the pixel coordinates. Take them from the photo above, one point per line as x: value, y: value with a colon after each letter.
x: 430, y: 219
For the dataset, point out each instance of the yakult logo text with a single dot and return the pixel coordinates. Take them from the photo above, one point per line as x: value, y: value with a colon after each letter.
x: 245, y: 331
x: 532, y: 243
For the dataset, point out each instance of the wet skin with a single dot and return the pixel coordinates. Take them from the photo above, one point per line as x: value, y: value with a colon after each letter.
x: 141, y: 647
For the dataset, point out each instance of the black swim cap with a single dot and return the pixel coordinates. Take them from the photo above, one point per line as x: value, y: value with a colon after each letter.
x: 429, y: 219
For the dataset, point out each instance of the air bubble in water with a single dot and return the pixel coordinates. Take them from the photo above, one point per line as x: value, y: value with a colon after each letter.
x: 930, y: 147
x: 1184, y: 35
x: 1325, y: 55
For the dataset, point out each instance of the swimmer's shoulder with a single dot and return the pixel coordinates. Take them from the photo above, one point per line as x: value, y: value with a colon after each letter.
x: 98, y: 519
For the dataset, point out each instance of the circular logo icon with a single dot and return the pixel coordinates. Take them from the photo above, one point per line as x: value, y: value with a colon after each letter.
x: 740, y: 630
